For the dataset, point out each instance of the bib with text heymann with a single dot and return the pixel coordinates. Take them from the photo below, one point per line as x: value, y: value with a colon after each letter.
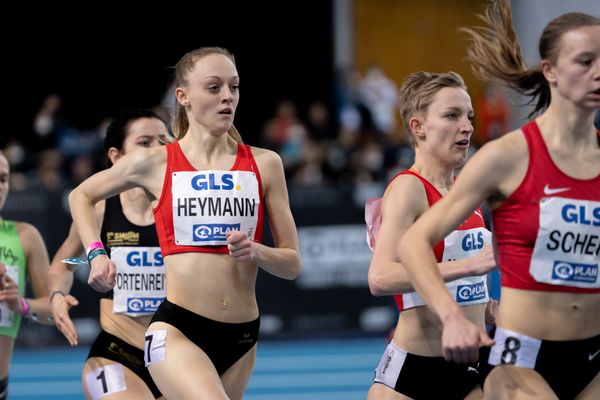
x: 140, y: 281
x: 567, y: 247
x: 468, y: 290
x: 209, y: 204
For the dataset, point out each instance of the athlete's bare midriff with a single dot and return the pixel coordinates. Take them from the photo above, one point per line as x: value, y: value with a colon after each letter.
x: 127, y: 328
x: 550, y: 315
x: 212, y: 285
x: 419, y: 330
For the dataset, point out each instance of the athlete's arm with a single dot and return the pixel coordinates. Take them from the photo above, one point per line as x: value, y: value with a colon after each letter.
x: 60, y: 280
x: 283, y: 260
x: 137, y: 169
x: 37, y: 270
x: 480, y: 179
x: 403, y: 202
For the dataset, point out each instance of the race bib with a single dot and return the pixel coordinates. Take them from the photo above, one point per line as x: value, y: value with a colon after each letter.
x: 468, y: 290
x: 209, y: 204
x: 140, y: 280
x: 567, y: 247
x: 6, y: 314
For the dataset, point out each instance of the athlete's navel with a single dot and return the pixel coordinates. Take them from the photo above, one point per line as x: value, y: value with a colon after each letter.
x: 224, y: 304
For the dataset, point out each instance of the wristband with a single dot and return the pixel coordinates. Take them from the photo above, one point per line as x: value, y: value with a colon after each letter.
x: 93, y: 246
x: 96, y: 253
x: 24, y: 306
x: 55, y: 293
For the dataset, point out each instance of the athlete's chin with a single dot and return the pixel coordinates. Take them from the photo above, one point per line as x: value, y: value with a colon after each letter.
x: 460, y: 160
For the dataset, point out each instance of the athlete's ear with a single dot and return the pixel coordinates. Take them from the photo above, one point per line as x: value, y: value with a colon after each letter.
x: 181, y: 97
x: 114, y: 154
x: 416, y: 126
x: 548, y: 70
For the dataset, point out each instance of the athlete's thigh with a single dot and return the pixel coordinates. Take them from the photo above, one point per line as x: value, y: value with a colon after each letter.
x: 109, y: 380
x: 379, y: 391
x: 507, y: 382
x: 236, y: 378
x: 592, y: 390
x: 185, y: 371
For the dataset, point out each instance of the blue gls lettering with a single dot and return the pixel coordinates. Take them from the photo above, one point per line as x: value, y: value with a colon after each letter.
x: 579, y: 215
x: 208, y: 181
x: 473, y: 241
x: 141, y: 259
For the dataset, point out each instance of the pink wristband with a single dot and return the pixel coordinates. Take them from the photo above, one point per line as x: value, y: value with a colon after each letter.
x: 24, y: 306
x: 93, y: 246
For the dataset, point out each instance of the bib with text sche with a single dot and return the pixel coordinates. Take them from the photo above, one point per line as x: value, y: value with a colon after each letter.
x: 567, y: 247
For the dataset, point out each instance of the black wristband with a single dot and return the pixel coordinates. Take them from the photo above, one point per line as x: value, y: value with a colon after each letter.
x: 55, y: 293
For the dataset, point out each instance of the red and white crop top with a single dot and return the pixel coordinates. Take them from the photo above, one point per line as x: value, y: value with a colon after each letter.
x: 197, y: 208
x: 468, y: 239
x: 548, y: 230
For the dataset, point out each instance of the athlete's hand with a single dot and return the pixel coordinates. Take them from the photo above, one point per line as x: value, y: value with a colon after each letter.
x: 240, y: 247
x: 491, y: 310
x: 60, y: 307
x: 484, y: 261
x: 10, y: 294
x: 102, y: 274
x: 461, y: 340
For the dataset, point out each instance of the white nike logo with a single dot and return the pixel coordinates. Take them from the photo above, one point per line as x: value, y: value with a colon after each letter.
x: 591, y: 356
x: 472, y: 369
x: 550, y: 192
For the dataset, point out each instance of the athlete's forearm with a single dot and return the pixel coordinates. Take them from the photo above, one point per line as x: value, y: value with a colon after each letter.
x: 281, y: 262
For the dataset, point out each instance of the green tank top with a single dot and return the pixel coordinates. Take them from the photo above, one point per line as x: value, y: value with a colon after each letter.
x: 13, y: 258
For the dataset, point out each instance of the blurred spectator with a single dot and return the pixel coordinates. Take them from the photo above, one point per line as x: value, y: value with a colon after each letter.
x: 49, y: 171
x: 318, y: 122
x: 351, y: 112
x: 47, y: 123
x: 286, y: 134
x: 310, y: 171
x: 492, y: 113
x: 378, y: 93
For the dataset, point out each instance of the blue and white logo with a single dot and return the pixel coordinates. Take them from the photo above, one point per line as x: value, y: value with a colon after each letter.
x: 145, y: 259
x: 143, y: 304
x: 210, y: 232
x: 213, y: 182
x: 466, y: 293
x: 565, y: 271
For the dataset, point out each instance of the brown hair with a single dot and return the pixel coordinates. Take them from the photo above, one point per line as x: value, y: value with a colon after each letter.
x: 417, y: 91
x: 182, y: 70
x: 495, y: 52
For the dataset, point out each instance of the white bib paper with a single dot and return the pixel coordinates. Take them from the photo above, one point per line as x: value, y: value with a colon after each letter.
x: 468, y: 290
x: 567, y: 247
x: 140, y: 282
x: 6, y: 314
x: 209, y: 204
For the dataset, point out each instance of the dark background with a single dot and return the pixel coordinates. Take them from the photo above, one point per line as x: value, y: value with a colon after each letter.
x: 108, y: 58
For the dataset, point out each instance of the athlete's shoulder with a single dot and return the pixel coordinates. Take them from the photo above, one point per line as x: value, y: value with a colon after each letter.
x: 265, y: 157
x: 27, y: 232
x: 505, y: 150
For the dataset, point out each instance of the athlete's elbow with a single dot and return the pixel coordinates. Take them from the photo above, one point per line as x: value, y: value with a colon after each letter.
x: 377, y: 285
x: 295, y: 270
